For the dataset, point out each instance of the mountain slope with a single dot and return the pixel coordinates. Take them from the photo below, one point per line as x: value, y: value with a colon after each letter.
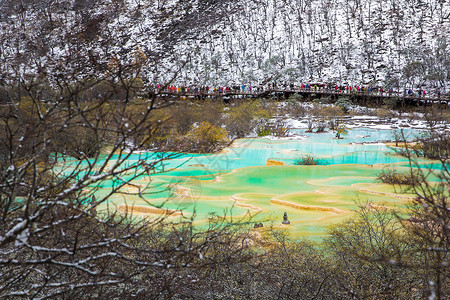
x: 399, y: 44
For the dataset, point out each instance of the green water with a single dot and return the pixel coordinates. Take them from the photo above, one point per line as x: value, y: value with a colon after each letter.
x: 238, y: 182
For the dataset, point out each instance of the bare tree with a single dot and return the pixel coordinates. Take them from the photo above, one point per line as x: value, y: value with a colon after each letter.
x: 76, y: 114
x: 401, y: 253
x: 429, y: 224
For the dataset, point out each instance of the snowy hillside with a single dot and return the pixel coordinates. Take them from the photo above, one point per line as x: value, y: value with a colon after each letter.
x: 354, y: 41
x: 401, y: 44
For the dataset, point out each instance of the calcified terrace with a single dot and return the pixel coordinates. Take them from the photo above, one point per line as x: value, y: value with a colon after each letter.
x: 257, y: 177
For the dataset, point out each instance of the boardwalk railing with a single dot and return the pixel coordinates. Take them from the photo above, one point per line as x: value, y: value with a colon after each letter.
x: 258, y: 92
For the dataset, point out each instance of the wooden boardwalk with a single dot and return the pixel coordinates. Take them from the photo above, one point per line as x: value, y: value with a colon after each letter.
x: 361, y: 96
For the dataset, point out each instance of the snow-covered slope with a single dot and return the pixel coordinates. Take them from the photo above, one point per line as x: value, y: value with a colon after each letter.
x: 402, y: 44
x: 356, y: 41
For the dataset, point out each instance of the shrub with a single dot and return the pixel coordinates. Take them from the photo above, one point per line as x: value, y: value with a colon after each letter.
x: 367, y: 246
x: 308, y: 160
x: 77, y: 142
x: 206, y: 138
x: 392, y: 176
x: 390, y: 103
x: 327, y: 100
x: 295, y: 109
x: 242, y: 119
x: 344, y: 103
x: 434, y: 146
x: 328, y: 111
x: 295, y: 97
x: 280, y: 129
x: 384, y: 113
x: 264, y: 130
x: 186, y: 113
x: 435, y: 115
x: 28, y: 110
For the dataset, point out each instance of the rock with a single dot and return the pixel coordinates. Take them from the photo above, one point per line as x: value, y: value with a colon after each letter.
x: 285, y: 219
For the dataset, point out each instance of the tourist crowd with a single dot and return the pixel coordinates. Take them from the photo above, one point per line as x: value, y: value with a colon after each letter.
x: 303, y: 87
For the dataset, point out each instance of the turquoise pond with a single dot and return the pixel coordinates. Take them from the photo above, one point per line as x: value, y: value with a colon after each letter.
x: 257, y: 178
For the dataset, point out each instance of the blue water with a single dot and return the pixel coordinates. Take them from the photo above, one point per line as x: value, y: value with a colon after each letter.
x: 215, y: 179
x: 350, y: 150
x: 256, y: 151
